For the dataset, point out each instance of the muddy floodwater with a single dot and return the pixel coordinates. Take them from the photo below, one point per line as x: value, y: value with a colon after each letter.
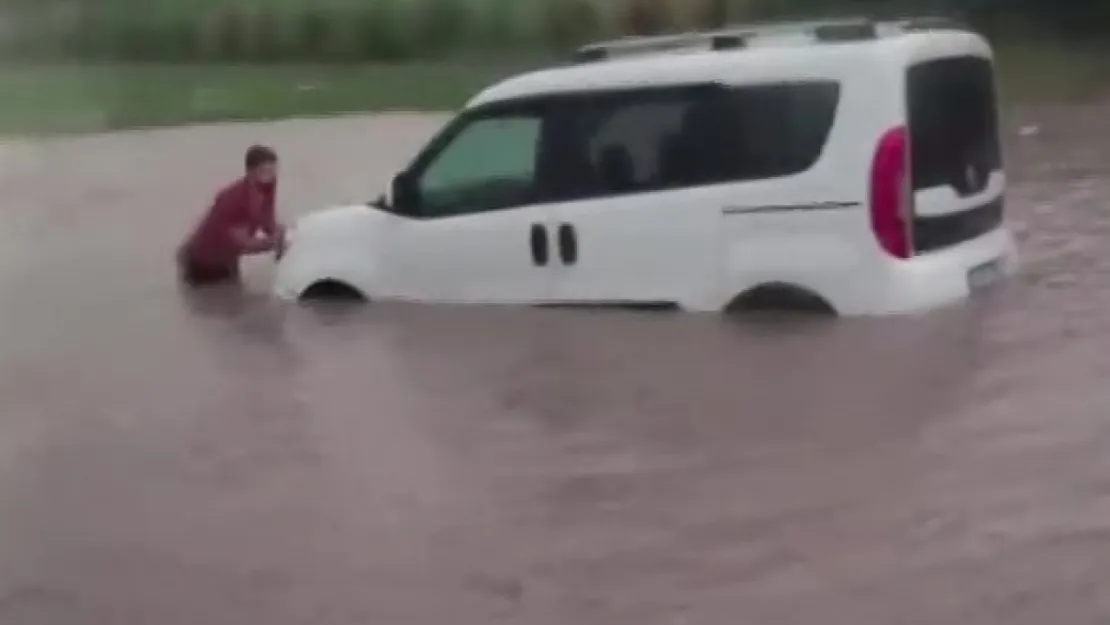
x: 233, y: 460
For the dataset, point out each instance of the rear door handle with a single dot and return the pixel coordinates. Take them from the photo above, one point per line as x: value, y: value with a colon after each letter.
x: 538, y: 243
x: 568, y: 244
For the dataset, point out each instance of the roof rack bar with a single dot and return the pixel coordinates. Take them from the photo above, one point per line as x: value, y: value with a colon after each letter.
x: 713, y: 38
x: 846, y: 32
x: 589, y: 55
x: 931, y: 23
x: 728, y: 42
x: 646, y: 44
x: 736, y: 36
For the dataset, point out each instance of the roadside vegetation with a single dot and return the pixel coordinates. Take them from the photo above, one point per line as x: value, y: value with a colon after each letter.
x: 105, y: 64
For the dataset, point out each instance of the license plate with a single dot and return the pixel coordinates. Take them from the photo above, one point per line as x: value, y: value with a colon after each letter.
x: 982, y: 276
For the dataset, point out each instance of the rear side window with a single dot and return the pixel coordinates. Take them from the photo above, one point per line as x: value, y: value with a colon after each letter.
x: 782, y: 128
x: 648, y: 140
x: 953, y: 119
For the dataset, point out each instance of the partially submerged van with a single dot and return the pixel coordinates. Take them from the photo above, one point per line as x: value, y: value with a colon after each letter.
x: 852, y: 165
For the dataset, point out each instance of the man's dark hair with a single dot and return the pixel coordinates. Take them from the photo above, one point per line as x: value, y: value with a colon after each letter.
x: 259, y: 155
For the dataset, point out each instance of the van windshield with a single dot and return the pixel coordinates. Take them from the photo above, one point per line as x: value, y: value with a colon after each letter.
x: 953, y: 119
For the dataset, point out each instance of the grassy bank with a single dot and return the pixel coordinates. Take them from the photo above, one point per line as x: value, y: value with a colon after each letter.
x: 74, y: 98
x: 1052, y: 72
x: 161, y: 62
x: 81, y: 98
x: 280, y: 31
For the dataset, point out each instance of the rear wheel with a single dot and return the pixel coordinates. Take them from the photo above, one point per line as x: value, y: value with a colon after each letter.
x: 780, y: 298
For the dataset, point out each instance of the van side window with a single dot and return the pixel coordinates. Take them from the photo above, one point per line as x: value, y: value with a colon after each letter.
x: 626, y: 146
x: 781, y: 129
x: 615, y: 143
x: 488, y: 164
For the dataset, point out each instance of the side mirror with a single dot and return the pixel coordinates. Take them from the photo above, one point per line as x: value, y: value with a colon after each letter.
x: 406, y: 195
x: 380, y: 203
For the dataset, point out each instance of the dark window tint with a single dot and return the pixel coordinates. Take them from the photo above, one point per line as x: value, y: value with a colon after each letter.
x: 937, y: 232
x: 953, y: 123
x: 782, y: 128
x: 637, y: 141
x: 576, y: 146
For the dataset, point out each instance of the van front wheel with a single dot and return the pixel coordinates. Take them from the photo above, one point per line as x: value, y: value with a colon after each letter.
x: 332, y: 291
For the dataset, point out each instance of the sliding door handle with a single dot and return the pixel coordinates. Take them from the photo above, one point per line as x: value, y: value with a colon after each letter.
x: 568, y: 244
x: 538, y: 242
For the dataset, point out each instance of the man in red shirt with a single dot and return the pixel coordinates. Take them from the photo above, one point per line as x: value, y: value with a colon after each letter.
x: 240, y: 222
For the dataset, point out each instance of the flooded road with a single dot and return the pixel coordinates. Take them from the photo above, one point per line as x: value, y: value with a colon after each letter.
x: 174, y: 461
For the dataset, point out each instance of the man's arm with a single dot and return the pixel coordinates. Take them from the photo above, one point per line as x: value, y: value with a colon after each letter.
x: 270, y: 227
x: 229, y: 214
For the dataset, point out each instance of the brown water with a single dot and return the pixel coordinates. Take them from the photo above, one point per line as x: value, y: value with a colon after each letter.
x: 168, y: 461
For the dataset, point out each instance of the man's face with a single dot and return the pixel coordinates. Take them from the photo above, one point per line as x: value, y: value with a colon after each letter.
x: 266, y: 173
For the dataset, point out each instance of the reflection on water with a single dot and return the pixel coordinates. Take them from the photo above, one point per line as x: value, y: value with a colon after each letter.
x: 222, y: 457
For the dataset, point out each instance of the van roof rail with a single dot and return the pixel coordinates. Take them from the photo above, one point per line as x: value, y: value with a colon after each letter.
x: 915, y: 24
x: 738, y: 35
x: 730, y: 37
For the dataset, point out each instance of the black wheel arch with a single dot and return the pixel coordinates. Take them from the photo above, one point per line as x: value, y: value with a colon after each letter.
x: 780, y: 297
x: 331, y: 289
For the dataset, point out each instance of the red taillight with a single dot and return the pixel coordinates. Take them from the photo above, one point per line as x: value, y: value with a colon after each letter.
x: 891, y: 195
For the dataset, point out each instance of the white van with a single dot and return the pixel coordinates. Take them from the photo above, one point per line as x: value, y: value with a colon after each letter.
x: 851, y: 166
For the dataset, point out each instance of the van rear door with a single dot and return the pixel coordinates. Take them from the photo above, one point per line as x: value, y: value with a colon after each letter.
x: 955, y: 152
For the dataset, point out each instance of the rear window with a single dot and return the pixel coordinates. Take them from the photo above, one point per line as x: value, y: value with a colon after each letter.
x: 666, y: 138
x: 953, y: 119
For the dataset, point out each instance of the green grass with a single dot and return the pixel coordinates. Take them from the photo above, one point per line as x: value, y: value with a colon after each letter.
x: 42, y: 99
x: 1052, y: 72
x: 82, y: 98
x: 275, y: 31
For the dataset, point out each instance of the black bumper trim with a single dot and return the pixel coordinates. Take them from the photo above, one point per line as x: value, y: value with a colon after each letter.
x: 940, y: 231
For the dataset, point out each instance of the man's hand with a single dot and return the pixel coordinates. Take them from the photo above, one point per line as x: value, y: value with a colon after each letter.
x: 250, y: 244
x: 279, y: 242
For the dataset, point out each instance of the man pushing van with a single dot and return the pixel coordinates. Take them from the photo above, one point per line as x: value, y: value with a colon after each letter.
x: 240, y: 222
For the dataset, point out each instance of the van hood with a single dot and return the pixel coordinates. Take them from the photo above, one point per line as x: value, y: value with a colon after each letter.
x: 344, y: 215
x: 339, y: 242
x: 336, y: 225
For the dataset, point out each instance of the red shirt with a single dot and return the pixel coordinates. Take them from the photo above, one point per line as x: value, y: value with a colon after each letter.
x: 240, y: 205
